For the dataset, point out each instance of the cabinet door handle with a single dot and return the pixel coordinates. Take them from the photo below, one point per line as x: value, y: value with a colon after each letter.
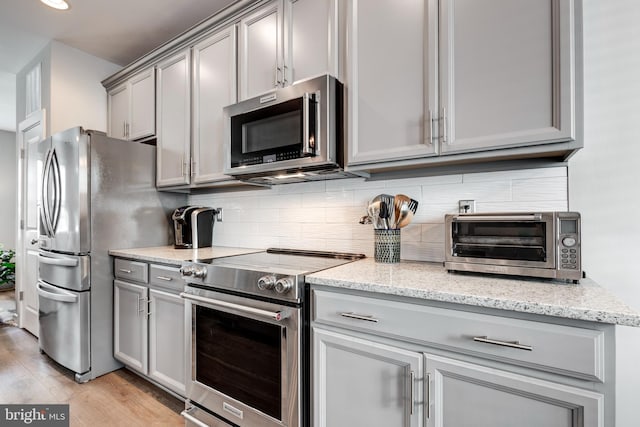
x: 165, y: 278
x: 359, y: 317
x: 427, y: 396
x: 124, y: 129
x: 140, y: 310
x: 412, y: 381
x: 277, y: 83
x: 429, y: 124
x: 443, y: 117
x: 510, y: 344
x: 124, y: 270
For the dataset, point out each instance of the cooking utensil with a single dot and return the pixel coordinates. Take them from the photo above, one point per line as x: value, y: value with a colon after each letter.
x: 365, y: 220
x: 374, y: 213
x: 405, y: 208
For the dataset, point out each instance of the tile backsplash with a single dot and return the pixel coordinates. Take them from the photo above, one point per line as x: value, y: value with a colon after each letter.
x: 324, y: 215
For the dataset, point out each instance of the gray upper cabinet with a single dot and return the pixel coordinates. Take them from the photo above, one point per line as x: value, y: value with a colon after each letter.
x: 506, y: 73
x: 261, y: 60
x: 214, y: 87
x: 131, y: 107
x: 389, y: 70
x: 286, y: 41
x: 311, y: 39
x: 460, y: 77
x: 466, y: 394
x: 174, y: 120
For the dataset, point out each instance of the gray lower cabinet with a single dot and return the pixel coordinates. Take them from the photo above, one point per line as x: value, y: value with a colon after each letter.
x: 149, y: 322
x: 496, y: 398
x: 362, y: 383
x: 380, y: 361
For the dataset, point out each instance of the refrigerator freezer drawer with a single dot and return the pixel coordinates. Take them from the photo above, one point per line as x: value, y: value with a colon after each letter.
x: 66, y: 271
x: 65, y: 326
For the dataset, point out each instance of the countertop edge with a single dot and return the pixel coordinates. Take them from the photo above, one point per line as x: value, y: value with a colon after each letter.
x: 598, y: 316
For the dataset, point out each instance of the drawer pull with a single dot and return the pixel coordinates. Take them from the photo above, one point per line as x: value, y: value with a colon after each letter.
x: 124, y: 270
x: 165, y: 278
x: 360, y: 317
x: 511, y: 344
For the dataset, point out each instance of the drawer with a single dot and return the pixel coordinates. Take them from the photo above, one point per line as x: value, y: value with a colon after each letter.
x: 131, y: 270
x: 166, y: 277
x: 566, y: 350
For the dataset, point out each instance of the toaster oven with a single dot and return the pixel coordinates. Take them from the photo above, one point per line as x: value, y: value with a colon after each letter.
x: 536, y: 244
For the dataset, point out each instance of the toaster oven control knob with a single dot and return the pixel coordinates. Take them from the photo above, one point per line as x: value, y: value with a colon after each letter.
x: 569, y: 241
x: 266, y: 283
x: 284, y: 285
x: 200, y: 272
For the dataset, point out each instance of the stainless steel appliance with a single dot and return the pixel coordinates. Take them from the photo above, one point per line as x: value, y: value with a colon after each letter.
x: 537, y: 244
x: 247, y: 335
x: 97, y: 193
x: 193, y: 227
x: 288, y: 135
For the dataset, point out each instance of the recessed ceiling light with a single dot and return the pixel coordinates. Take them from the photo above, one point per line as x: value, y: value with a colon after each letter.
x: 56, y: 4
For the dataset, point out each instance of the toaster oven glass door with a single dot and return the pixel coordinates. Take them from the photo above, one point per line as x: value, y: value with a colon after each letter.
x: 522, y: 243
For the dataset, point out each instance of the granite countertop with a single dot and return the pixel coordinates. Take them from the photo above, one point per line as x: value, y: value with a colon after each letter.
x: 430, y: 281
x: 170, y: 255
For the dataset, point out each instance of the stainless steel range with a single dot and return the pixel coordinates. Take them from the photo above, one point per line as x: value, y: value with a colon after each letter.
x: 247, y: 336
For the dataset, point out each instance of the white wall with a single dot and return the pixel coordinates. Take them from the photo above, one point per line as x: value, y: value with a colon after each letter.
x: 8, y: 186
x: 77, y: 97
x: 604, y: 176
x: 324, y: 215
x: 71, y: 91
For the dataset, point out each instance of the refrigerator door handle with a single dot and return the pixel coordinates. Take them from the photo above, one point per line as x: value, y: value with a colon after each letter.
x: 57, y: 193
x: 63, y: 262
x: 44, y: 208
x: 57, y: 294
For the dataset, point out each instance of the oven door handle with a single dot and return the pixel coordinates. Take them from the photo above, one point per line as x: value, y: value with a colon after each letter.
x: 188, y: 417
x: 274, y: 315
x: 471, y: 218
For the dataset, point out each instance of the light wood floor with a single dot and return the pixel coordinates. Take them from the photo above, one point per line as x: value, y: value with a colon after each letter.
x: 119, y: 398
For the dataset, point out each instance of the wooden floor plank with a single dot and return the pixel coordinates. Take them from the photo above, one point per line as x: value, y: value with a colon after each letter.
x: 119, y: 398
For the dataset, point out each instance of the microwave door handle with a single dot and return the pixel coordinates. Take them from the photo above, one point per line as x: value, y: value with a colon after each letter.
x: 473, y: 218
x: 308, y: 146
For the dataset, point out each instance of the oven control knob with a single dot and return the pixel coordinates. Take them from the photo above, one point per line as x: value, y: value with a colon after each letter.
x: 199, y: 272
x: 266, y: 283
x: 187, y: 270
x: 284, y: 285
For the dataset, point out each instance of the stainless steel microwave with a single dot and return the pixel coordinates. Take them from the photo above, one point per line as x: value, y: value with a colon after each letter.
x: 536, y: 244
x: 293, y: 132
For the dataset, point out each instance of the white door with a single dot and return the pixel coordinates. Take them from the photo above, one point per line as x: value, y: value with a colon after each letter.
x: 30, y: 132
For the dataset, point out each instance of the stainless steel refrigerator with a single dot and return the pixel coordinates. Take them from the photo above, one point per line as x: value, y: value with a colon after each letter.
x: 97, y: 193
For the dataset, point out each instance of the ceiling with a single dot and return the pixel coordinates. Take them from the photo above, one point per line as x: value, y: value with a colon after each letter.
x: 119, y: 31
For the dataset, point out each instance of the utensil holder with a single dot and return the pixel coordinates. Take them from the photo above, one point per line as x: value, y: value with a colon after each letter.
x: 387, y: 246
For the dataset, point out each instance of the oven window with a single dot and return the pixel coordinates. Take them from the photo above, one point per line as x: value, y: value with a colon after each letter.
x: 241, y: 358
x: 520, y: 241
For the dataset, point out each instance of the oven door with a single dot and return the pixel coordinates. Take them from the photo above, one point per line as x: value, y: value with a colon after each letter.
x: 245, y: 361
x: 515, y: 240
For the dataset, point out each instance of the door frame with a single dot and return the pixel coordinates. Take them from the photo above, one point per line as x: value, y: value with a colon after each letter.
x: 32, y: 120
